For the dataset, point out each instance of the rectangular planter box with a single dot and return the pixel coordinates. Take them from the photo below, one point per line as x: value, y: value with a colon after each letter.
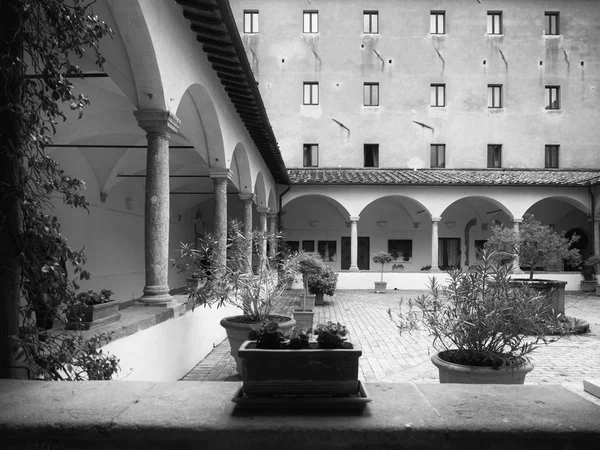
x: 311, y: 371
x: 94, y: 315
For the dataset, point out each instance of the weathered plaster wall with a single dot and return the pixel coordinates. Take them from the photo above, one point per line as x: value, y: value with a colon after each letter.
x: 405, y: 58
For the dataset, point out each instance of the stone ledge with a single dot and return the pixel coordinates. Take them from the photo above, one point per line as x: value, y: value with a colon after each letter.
x: 201, y: 415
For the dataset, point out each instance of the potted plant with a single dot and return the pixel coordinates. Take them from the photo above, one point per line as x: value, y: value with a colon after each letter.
x: 91, y: 309
x: 323, y: 283
x: 255, y: 293
x: 589, y: 268
x: 280, y: 364
x: 482, y: 325
x: 382, y: 258
x: 307, y: 265
x: 537, y: 245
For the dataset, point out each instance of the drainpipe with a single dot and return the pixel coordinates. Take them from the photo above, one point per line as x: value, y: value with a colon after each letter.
x: 593, y: 213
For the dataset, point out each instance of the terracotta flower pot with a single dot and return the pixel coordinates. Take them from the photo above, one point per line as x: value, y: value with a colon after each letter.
x: 237, y: 333
x: 458, y: 373
x: 93, y: 316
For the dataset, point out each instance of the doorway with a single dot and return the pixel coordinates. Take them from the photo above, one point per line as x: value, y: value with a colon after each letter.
x: 363, y: 253
x: 449, y: 253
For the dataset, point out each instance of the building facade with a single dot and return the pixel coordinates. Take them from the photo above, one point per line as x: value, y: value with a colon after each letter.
x: 413, y: 126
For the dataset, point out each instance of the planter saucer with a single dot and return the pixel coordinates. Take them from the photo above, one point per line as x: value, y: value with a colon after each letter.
x: 355, y: 403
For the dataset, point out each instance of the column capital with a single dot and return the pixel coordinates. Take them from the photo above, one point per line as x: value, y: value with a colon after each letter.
x: 354, y: 218
x: 436, y: 219
x: 263, y: 209
x: 518, y: 220
x: 218, y: 173
x: 157, y: 122
x: 247, y: 196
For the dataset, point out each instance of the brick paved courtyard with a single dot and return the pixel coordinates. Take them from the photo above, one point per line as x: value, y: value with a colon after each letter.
x: 391, y: 357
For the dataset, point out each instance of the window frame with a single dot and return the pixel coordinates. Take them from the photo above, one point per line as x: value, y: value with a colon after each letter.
x: 372, y: 86
x: 435, y: 29
x: 548, y: 25
x: 308, y: 155
x: 551, y: 156
x: 251, y: 13
x: 310, y: 13
x: 313, y: 86
x: 374, y: 149
x: 435, y: 156
x: 548, y: 90
x: 368, y: 24
x: 493, y: 15
x: 493, y: 87
x: 491, y: 159
x: 436, y: 87
x: 392, y: 244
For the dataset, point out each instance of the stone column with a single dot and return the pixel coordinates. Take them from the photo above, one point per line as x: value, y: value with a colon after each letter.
x: 262, y: 214
x: 220, y: 178
x: 434, y: 244
x: 158, y: 125
x: 517, y: 262
x: 596, y: 236
x: 354, y: 243
x: 248, y: 199
x: 273, y: 218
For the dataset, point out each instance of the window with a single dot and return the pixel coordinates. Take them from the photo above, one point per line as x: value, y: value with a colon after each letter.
x: 371, y: 94
x: 438, y: 95
x: 494, y: 22
x: 311, y: 93
x: 250, y: 21
x: 311, y: 21
x: 437, y: 21
x: 552, y: 97
x: 371, y: 155
x: 327, y: 250
x: 494, y: 96
x: 551, y: 23
x: 552, y: 156
x: 494, y: 156
x: 400, y: 249
x: 311, y: 155
x: 438, y: 155
x: 293, y: 246
x: 308, y: 246
x: 371, y: 22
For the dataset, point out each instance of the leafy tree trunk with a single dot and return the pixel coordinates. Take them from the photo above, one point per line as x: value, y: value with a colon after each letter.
x: 10, y: 207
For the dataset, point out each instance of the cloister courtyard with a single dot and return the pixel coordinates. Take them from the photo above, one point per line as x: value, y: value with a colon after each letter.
x: 391, y: 357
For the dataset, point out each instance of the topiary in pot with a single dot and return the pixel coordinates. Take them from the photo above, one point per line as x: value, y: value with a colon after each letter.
x: 382, y: 258
x: 589, y: 268
x: 323, y: 283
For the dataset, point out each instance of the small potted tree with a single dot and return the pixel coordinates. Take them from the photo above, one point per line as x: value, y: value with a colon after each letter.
x: 589, y: 268
x: 307, y: 265
x: 257, y: 293
x: 323, y: 283
x: 482, y: 325
x: 537, y: 245
x: 382, y: 258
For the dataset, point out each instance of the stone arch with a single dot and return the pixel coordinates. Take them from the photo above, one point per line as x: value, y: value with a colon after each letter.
x: 260, y: 190
x: 141, y: 58
x: 240, y: 168
x: 200, y: 125
x: 416, y: 212
x: 272, y: 200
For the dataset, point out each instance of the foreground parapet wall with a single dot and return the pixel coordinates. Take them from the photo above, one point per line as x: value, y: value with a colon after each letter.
x: 201, y: 415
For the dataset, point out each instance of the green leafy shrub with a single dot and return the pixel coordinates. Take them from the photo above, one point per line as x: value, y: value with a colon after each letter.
x: 332, y: 335
x: 479, y: 319
x: 324, y: 282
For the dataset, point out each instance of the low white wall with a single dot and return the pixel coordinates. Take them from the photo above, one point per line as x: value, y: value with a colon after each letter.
x: 169, y: 350
x: 420, y: 280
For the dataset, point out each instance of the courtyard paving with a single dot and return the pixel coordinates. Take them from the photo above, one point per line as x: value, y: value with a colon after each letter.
x: 389, y: 356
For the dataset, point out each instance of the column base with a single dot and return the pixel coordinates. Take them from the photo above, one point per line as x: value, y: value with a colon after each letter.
x: 354, y: 269
x: 435, y: 270
x: 155, y: 296
x: 518, y: 271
